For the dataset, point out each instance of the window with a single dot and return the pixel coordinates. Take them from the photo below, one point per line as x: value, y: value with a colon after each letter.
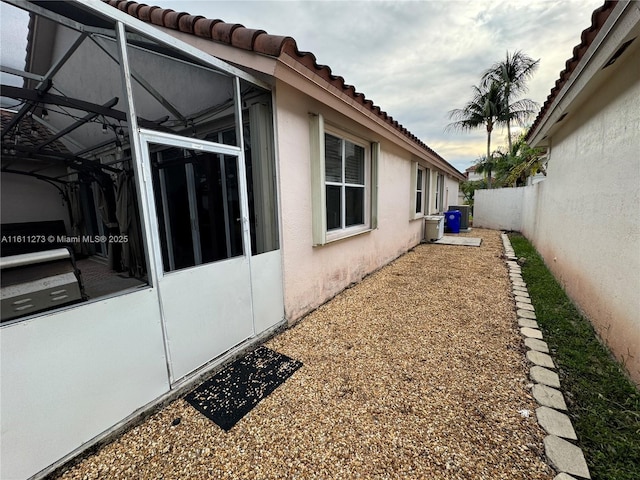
x: 345, y: 183
x: 343, y: 175
x: 418, y: 191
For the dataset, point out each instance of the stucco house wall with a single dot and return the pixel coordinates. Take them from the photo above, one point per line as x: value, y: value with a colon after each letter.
x: 314, y: 274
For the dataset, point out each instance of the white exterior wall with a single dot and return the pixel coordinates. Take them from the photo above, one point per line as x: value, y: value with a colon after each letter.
x: 473, y: 176
x: 313, y: 275
x: 583, y: 219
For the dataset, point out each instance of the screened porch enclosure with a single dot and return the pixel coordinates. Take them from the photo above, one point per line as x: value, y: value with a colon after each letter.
x: 153, y: 165
x: 66, y: 134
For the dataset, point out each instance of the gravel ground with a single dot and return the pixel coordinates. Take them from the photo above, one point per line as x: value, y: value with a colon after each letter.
x: 416, y: 372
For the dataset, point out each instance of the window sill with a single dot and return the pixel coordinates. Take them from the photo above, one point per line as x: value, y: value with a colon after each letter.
x: 418, y: 216
x: 333, y: 237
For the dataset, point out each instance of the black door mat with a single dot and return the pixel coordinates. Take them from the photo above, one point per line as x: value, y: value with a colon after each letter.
x: 233, y: 392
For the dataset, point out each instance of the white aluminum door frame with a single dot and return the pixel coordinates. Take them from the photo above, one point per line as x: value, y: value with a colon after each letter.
x: 148, y: 137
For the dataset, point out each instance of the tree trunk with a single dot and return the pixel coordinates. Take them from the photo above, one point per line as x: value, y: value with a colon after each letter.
x: 489, y: 159
x: 506, y: 100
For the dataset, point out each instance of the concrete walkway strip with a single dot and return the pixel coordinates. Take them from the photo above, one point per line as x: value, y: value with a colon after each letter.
x: 544, y: 376
x: 537, y: 345
x: 523, y: 299
x: 548, y: 397
x: 541, y: 359
x: 555, y: 423
x: 566, y: 457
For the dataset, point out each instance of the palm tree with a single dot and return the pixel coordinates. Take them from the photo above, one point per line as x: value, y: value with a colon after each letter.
x: 525, y: 163
x: 486, y: 109
x: 487, y: 165
x: 514, y: 167
x: 512, y: 74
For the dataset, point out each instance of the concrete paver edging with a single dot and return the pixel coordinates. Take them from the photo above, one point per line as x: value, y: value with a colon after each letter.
x: 526, y: 314
x: 542, y: 359
x: 537, y: 345
x: 549, y: 397
x: 525, y: 322
x: 562, y: 455
x: 564, y: 476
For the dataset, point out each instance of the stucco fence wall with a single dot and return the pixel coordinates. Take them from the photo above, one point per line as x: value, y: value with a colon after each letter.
x: 500, y: 209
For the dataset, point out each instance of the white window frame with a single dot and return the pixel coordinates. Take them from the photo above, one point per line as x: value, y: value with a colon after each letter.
x: 416, y: 189
x: 321, y: 235
x: 439, y: 193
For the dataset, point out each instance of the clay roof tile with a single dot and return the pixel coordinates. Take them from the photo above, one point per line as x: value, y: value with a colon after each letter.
x: 124, y: 6
x: 245, y: 37
x: 157, y: 16
x: 271, y: 44
x: 145, y: 13
x: 186, y: 22
x: 133, y: 8
x: 222, y: 32
x: 203, y: 26
x: 172, y: 19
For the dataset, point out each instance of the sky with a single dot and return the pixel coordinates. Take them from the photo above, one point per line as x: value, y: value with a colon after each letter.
x: 418, y: 60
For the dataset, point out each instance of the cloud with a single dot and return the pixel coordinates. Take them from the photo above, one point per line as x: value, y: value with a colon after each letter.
x: 417, y: 60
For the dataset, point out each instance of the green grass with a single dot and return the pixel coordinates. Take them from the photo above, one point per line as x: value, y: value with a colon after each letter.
x: 604, y: 405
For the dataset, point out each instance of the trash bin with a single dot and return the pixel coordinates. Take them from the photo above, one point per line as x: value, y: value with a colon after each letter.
x: 433, y: 227
x: 453, y: 221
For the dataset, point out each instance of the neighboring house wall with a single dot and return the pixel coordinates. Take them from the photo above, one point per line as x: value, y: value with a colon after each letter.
x: 474, y: 177
x: 583, y: 219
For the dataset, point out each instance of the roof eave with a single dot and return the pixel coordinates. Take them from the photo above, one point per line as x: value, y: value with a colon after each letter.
x: 579, y: 68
